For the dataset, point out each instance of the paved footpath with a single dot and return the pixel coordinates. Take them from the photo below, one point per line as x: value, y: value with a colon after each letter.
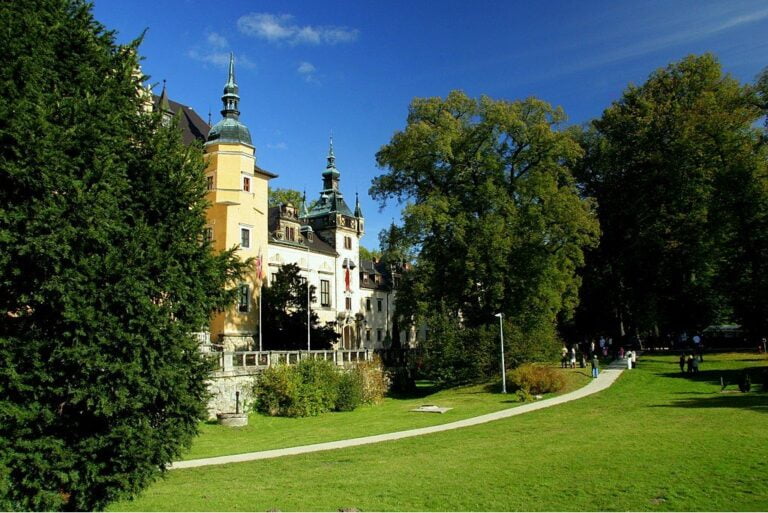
x: 606, y: 378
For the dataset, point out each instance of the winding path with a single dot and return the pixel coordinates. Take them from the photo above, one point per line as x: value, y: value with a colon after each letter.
x: 606, y: 378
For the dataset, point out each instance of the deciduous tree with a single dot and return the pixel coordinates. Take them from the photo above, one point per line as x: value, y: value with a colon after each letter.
x: 492, y: 208
x: 671, y: 165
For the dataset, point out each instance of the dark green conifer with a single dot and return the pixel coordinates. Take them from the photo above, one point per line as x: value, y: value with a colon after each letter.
x: 104, y: 274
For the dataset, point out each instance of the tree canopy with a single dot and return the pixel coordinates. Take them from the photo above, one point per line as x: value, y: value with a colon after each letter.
x: 284, y: 314
x: 283, y: 196
x: 678, y: 171
x: 104, y: 273
x: 493, y: 209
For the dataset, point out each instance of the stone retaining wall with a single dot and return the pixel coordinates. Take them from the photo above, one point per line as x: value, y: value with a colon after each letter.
x: 222, y: 387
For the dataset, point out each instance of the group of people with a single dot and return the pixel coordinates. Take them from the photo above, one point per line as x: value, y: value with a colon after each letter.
x: 690, y: 362
x: 594, y: 349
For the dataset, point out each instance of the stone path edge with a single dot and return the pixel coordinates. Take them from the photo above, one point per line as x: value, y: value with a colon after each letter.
x: 606, y: 378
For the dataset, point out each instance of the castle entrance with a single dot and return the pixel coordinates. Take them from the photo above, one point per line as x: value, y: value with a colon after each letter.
x: 348, y: 337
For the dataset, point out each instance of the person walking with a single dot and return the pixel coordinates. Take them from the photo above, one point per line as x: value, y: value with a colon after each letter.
x: 573, y: 356
x: 595, y: 365
x: 629, y: 359
x: 682, y: 362
x: 634, y: 358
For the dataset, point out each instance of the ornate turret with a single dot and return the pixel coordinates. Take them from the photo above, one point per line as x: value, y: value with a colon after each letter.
x: 162, y: 103
x: 331, y: 174
x: 230, y: 129
x: 358, y: 210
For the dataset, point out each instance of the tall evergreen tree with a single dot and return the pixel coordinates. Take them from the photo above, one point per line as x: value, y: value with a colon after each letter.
x: 104, y: 272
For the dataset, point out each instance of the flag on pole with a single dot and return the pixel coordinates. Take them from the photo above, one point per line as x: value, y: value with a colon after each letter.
x: 260, y: 272
x: 347, y: 280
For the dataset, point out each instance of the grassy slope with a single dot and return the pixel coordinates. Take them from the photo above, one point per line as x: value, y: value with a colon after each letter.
x: 654, y: 441
x: 265, y: 432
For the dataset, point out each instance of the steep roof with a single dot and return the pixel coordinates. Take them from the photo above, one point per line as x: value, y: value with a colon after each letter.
x: 316, y: 245
x: 193, y: 128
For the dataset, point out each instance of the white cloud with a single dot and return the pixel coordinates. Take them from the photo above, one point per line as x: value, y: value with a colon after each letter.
x: 306, y: 68
x: 216, y: 40
x: 277, y: 146
x: 708, y: 25
x: 277, y: 28
x: 220, y: 59
x: 307, y: 71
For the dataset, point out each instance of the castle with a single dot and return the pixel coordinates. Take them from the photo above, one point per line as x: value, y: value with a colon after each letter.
x: 324, y: 240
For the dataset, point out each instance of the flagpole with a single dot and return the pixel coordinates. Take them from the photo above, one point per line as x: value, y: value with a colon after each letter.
x: 308, y: 305
x: 260, y: 278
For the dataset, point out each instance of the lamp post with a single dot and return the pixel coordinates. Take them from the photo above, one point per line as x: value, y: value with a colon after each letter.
x: 503, y: 367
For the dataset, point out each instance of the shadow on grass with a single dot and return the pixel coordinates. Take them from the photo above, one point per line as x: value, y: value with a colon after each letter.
x: 422, y: 389
x: 750, y: 401
x: 718, y: 376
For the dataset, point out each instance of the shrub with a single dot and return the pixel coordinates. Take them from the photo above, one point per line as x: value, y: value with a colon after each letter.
x: 318, y: 389
x: 537, y: 379
x: 308, y: 389
x: 350, y: 391
x: 277, y: 391
x: 523, y: 395
x: 373, y: 381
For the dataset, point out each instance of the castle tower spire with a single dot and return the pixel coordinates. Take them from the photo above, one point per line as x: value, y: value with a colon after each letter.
x: 331, y: 174
x: 230, y: 98
x: 230, y: 129
x: 163, y: 102
x: 358, y: 210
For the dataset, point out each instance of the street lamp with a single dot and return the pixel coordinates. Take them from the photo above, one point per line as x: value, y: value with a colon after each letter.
x: 503, y: 369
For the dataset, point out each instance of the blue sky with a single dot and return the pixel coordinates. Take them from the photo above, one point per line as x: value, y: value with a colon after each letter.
x: 309, y: 69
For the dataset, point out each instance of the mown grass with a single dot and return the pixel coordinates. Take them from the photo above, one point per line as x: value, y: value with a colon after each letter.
x: 655, y: 441
x: 265, y: 432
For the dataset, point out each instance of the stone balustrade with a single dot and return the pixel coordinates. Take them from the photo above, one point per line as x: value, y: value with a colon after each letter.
x: 255, y: 360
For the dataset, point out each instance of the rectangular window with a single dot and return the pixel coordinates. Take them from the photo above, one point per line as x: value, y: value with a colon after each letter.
x: 347, y: 242
x: 325, y: 293
x: 208, y: 234
x: 367, y: 304
x: 378, y: 304
x: 379, y: 335
x: 245, y: 238
x: 244, y: 298
x: 368, y: 334
x: 348, y: 304
x: 290, y: 233
x: 209, y: 182
x: 246, y: 184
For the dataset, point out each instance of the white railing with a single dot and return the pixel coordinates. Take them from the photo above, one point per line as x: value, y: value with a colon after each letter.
x: 262, y: 359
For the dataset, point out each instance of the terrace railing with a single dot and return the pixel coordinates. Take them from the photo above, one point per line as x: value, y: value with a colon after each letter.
x: 255, y: 360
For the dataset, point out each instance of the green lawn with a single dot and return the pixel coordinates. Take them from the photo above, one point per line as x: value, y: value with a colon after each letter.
x: 265, y: 432
x: 656, y: 440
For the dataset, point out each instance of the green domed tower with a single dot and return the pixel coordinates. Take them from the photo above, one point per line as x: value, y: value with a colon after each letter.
x: 230, y: 129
